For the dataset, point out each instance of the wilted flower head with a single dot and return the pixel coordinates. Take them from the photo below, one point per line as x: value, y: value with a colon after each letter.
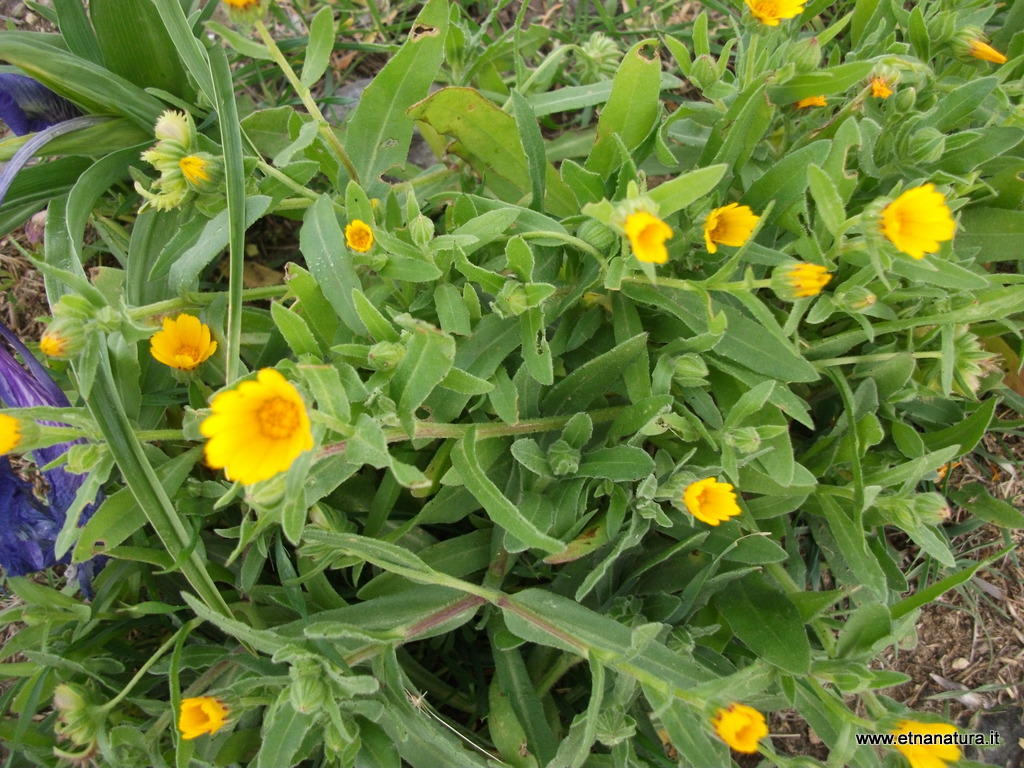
x: 769, y: 12
x: 27, y: 106
x: 880, y: 87
x: 710, y: 501
x: 647, y: 235
x: 800, y: 281
x: 917, y: 221
x: 175, y: 126
x: 245, y: 11
x: 812, y: 101
x: 729, y: 225
x: 200, y: 715
x: 926, y: 755
x: 740, y: 726
x: 29, y: 527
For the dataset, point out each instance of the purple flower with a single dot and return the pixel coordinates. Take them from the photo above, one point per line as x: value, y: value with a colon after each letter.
x: 28, y: 107
x: 28, y: 527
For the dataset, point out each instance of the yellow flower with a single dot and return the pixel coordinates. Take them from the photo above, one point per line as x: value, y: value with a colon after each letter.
x: 926, y: 755
x: 257, y: 429
x: 741, y: 727
x: 770, y: 11
x: 10, y: 433
x: 194, y: 169
x: 53, y: 345
x: 730, y: 225
x: 184, y: 343
x: 202, y: 714
x: 804, y: 280
x: 880, y: 87
x: 811, y: 101
x: 242, y: 4
x: 981, y: 50
x: 710, y: 501
x: 647, y: 235
x: 917, y: 221
x: 359, y: 236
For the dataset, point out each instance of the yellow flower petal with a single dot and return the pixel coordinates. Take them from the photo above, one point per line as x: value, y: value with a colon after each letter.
x: 729, y: 225
x: 769, y: 12
x: 201, y: 714
x: 806, y: 280
x: 917, y: 221
x: 10, y: 433
x: 710, y: 501
x: 194, y: 169
x: 982, y: 50
x: 359, y: 236
x: 184, y: 343
x: 740, y: 726
x: 880, y: 87
x: 812, y: 101
x: 647, y: 235
x: 926, y: 755
x: 257, y: 429
x: 53, y: 345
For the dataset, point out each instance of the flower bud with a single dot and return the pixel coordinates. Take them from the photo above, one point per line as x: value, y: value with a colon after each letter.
x: 598, y: 58
x: 177, y: 127
x: 385, y: 355
x: 563, y: 458
x: 77, y: 723
x: 704, y: 72
x: 307, y: 691
x: 598, y: 235
x: 805, y: 55
x: 201, y: 171
x: 906, y: 98
x: 246, y: 11
x: 421, y: 229
x: 746, y: 440
x: 511, y: 300
x: 931, y: 508
x: 855, y: 299
x: 925, y: 145
x: 690, y: 370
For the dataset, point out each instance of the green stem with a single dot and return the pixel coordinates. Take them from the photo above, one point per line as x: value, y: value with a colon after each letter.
x: 429, y: 430
x: 697, y: 286
x: 307, y: 100
x: 289, y: 182
x: 149, y: 663
x: 568, y: 239
x: 881, y: 357
x: 197, y: 300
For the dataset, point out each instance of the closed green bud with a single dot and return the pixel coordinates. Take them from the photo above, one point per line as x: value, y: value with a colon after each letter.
x: 855, y: 299
x: 511, y: 300
x: 307, y: 691
x: 595, y: 233
x: 925, y: 145
x: 746, y: 440
x: 805, y: 55
x: 421, y: 229
x: 931, y: 508
x: 563, y: 458
x: 385, y: 355
x: 906, y: 98
x: 78, y: 722
x: 690, y: 370
x: 942, y: 27
x: 704, y: 72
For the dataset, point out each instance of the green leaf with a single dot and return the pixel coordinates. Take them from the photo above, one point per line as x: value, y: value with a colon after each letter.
x: 284, y: 731
x: 533, y: 148
x: 786, y: 180
x: 77, y: 31
x: 137, y: 47
x: 675, y: 195
x: 996, y: 232
x: 828, y: 202
x: 488, y: 139
x: 380, y: 130
x: 852, y: 545
x: 632, y: 108
x: 960, y: 104
x: 577, y: 390
x: 967, y: 433
x: 295, y: 331
x: 863, y: 629
x: 821, y: 83
x: 767, y: 622
x: 428, y: 358
x: 378, y: 326
x: 620, y: 463
x: 975, y: 498
x: 320, y: 241
x: 501, y: 511
x: 319, y: 47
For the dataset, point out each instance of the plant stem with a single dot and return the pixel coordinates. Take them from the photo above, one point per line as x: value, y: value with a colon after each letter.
x: 307, y: 100
x: 195, y: 300
x: 149, y: 663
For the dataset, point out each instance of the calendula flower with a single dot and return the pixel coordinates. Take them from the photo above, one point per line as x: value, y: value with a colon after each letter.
x: 201, y: 714
x: 926, y: 755
x: 359, y: 236
x: 257, y: 429
x: 979, y: 49
x: 917, y: 221
x: 880, y: 87
x: 800, y: 281
x: 184, y: 343
x: 811, y: 101
x: 647, y: 235
x: 771, y: 11
x: 241, y: 4
x: 710, y: 501
x: 53, y: 345
x: 10, y: 433
x: 729, y: 225
x: 195, y: 169
x: 740, y: 726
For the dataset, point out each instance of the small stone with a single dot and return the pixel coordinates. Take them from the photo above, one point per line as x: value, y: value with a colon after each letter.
x: 960, y: 663
x: 31, y: 19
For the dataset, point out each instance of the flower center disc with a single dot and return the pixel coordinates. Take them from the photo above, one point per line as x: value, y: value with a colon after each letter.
x: 278, y: 418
